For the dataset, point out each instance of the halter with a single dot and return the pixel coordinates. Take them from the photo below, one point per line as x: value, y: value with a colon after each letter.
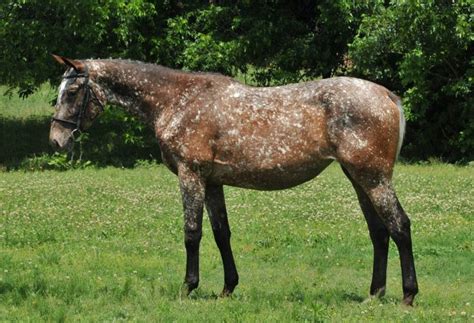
x: 85, y: 102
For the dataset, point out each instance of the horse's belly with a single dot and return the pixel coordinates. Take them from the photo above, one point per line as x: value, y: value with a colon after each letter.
x: 275, y: 178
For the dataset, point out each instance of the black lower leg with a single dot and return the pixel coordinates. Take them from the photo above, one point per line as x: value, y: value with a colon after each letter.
x: 402, y: 238
x: 392, y: 214
x: 191, y: 241
x: 231, y: 278
x: 379, y: 236
x: 380, y: 241
x: 216, y: 209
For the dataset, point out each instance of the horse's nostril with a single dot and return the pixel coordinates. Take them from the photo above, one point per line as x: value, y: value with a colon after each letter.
x: 54, y: 143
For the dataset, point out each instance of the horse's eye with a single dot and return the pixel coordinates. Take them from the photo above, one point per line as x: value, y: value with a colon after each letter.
x: 72, y: 91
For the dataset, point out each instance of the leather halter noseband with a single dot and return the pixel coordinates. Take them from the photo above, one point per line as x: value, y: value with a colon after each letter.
x: 85, y: 102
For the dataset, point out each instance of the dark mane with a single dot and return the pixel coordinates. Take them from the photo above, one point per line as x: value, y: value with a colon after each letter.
x: 158, y: 68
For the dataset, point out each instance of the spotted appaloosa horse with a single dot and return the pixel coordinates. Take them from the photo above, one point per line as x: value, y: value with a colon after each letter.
x: 215, y: 131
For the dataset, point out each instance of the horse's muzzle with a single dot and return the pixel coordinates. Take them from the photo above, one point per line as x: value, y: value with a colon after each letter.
x: 60, y: 139
x: 57, y: 146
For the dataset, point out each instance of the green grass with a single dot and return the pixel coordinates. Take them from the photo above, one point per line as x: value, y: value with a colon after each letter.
x: 107, y: 244
x: 37, y: 104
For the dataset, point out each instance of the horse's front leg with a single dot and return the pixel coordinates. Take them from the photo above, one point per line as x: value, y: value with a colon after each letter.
x: 215, y: 205
x: 192, y: 192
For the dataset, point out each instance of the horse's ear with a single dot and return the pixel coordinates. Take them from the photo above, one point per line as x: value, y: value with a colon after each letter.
x: 58, y: 59
x: 76, y: 65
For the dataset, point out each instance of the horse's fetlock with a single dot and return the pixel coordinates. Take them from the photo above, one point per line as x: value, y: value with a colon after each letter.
x: 229, y: 286
x: 410, y: 290
x: 232, y: 282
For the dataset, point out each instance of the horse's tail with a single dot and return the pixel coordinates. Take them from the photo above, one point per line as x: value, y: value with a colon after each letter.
x: 401, y: 129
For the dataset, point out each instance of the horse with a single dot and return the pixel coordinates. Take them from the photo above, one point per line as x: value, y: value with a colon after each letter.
x: 213, y: 131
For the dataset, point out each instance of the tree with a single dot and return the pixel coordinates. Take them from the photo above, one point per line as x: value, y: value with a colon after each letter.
x: 421, y: 49
x: 424, y: 51
x: 32, y: 29
x: 282, y: 41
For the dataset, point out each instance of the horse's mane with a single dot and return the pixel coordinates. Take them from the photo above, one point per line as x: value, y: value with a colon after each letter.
x: 153, y: 67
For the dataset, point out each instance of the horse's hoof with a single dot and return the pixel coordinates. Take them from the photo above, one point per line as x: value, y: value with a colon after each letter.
x: 379, y: 292
x: 408, y: 300
x: 225, y: 293
x: 185, y: 290
x: 369, y: 299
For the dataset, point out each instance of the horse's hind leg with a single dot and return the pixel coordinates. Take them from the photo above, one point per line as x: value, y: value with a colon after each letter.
x: 378, y: 187
x: 215, y: 205
x: 379, y: 236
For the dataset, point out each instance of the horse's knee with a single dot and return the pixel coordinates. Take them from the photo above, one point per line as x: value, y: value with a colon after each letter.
x: 192, y: 238
x: 401, y: 232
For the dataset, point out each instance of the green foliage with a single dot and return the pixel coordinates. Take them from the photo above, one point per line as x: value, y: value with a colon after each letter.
x: 284, y: 40
x: 197, y: 40
x: 420, y: 49
x: 119, y: 139
x: 56, y: 161
x: 31, y: 29
x: 107, y: 245
x: 423, y: 50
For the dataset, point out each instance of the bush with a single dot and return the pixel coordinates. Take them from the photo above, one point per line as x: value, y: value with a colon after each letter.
x: 119, y: 139
x: 423, y: 50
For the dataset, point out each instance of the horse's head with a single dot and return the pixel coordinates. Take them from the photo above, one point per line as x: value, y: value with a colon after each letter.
x: 78, y: 104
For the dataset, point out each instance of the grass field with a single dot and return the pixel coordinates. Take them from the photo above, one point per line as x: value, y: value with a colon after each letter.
x: 107, y: 244
x: 37, y: 104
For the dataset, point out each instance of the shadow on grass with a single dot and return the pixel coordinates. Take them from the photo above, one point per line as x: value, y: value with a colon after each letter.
x: 352, y: 297
x: 24, y: 139
x: 300, y: 295
x: 200, y: 294
x: 21, y: 139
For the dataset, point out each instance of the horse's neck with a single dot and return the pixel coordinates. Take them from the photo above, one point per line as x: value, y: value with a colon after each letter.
x: 142, y: 93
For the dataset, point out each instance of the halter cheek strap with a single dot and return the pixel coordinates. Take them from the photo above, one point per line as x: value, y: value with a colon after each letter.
x: 85, y: 102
